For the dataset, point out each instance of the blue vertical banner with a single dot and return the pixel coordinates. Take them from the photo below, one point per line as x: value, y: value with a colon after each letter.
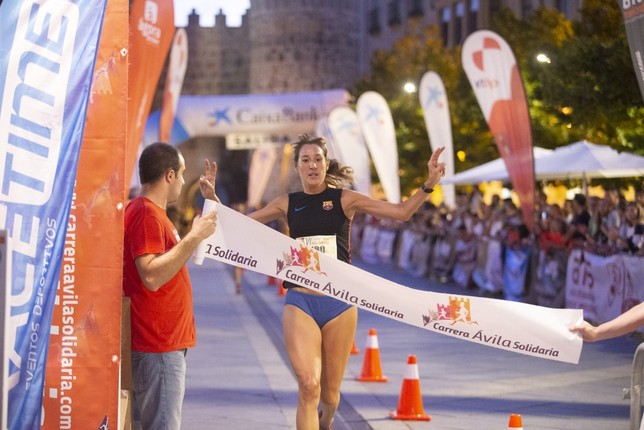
x: 47, y: 54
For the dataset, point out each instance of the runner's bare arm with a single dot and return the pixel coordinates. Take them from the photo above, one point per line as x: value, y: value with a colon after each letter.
x: 274, y: 210
x: 353, y: 201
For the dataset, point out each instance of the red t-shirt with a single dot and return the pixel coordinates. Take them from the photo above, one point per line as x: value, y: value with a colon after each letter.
x: 162, y: 320
x: 550, y: 238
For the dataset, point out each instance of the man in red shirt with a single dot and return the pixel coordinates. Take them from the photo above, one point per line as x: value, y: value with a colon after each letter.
x: 156, y: 279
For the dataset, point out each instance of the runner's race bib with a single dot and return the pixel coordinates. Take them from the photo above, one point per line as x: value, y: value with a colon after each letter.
x: 324, y: 244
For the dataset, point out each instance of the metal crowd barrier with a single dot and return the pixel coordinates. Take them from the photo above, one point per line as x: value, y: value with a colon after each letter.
x: 634, y: 392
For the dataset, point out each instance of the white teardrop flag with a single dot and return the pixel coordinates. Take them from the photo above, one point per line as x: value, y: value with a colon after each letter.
x: 322, y: 130
x: 350, y: 146
x: 261, y: 167
x: 433, y: 101
x: 173, y: 83
x: 380, y: 136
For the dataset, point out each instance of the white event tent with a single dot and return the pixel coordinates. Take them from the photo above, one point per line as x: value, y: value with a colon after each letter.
x: 494, y: 170
x: 581, y: 159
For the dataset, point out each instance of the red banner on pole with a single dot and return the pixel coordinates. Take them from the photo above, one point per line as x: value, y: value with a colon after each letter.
x: 84, y: 347
x: 493, y: 73
x: 152, y: 29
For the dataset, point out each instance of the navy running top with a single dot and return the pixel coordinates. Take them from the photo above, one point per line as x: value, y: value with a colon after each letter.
x: 320, y: 214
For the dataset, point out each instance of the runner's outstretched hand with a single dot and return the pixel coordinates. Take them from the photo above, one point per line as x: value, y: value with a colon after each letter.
x: 207, y: 181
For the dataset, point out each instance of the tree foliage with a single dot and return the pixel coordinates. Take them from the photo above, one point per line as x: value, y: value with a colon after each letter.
x: 588, y: 90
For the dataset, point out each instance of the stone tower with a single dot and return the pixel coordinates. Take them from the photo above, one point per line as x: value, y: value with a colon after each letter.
x: 304, y: 45
x: 218, y: 57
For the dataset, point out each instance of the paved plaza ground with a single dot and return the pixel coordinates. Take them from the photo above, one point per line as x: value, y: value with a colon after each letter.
x: 239, y: 377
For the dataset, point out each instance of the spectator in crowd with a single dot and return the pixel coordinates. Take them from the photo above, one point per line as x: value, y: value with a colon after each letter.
x: 631, y: 233
x: 599, y: 227
x: 442, y: 248
x: 553, y: 236
x: 422, y: 249
x: 476, y: 198
x: 577, y: 233
x: 639, y: 198
x: 549, y: 283
x: 464, y: 257
x: 496, y: 202
x: 568, y: 211
x: 499, y: 226
x: 595, y: 218
x: 491, y: 283
x: 617, y: 205
x: 512, y: 213
x: 410, y: 234
x: 541, y: 203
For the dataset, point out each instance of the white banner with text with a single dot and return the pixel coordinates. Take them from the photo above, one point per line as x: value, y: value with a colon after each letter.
x: 511, y: 326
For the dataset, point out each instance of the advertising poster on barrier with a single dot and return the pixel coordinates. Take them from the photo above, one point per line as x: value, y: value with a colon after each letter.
x: 604, y: 287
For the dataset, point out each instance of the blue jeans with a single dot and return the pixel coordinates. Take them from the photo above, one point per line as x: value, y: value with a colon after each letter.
x: 159, y: 381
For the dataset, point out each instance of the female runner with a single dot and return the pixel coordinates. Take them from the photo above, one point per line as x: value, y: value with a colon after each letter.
x: 319, y: 330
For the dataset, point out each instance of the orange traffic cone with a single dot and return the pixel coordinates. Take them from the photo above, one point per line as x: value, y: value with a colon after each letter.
x: 354, y: 349
x: 281, y: 291
x: 371, y: 370
x: 516, y: 423
x: 410, y: 402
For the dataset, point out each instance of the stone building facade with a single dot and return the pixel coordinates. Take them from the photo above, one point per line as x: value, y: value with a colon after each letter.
x: 389, y: 20
x: 300, y: 45
x: 309, y: 45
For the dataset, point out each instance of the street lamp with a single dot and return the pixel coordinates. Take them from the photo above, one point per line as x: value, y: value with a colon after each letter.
x: 410, y: 87
x: 543, y: 58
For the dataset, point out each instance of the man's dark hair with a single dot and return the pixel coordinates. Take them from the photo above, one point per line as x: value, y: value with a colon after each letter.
x: 155, y: 161
x: 580, y: 199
